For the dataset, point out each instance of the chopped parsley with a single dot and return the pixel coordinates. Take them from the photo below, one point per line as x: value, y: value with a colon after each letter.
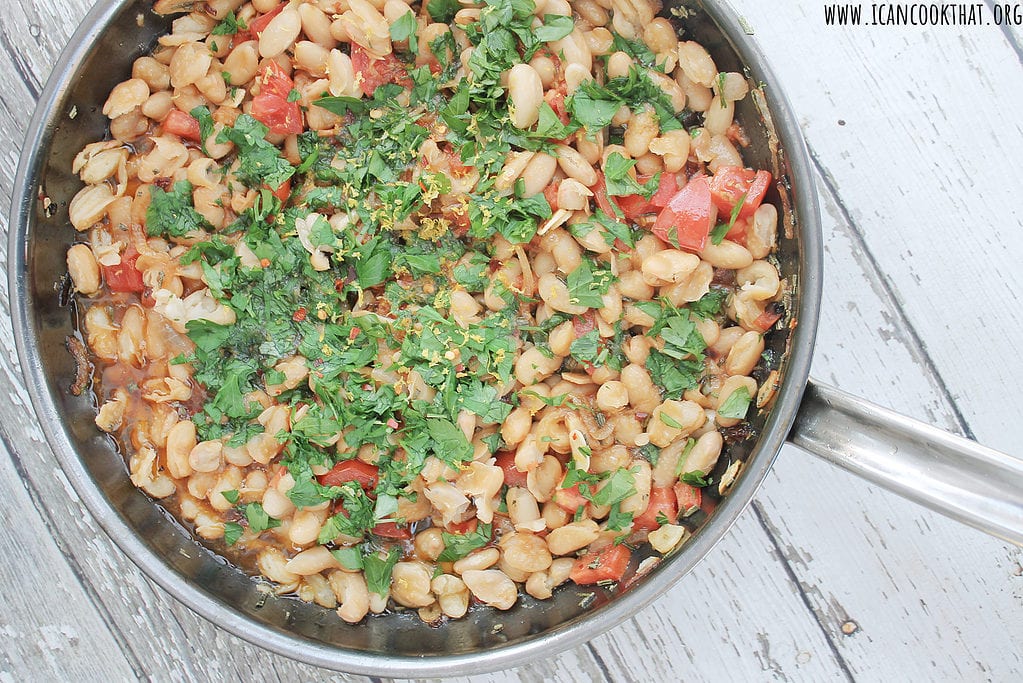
x: 172, y: 214
x: 736, y: 405
x: 457, y: 546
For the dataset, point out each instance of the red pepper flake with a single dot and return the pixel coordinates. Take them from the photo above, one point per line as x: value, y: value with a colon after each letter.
x: 300, y: 315
x: 354, y: 333
x: 392, y: 423
x: 264, y: 262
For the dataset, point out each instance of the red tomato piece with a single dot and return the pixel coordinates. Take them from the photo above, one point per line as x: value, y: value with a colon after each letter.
x: 570, y: 499
x: 755, y: 196
x: 259, y: 24
x: 274, y: 80
x: 585, y: 323
x: 550, y: 193
x: 633, y: 205
x: 600, y: 195
x: 666, y: 189
x: 556, y: 100
x: 462, y: 528
x: 738, y: 232
x: 277, y: 114
x: 688, y: 218
x: 351, y: 470
x: 283, y: 191
x: 373, y: 72
x: 183, y: 125
x: 391, y: 530
x: 731, y: 184
x: 689, y: 498
x: 662, y: 502
x: 125, y: 276
x: 608, y: 564
x: 512, y: 476
x: 766, y: 320
x: 271, y: 106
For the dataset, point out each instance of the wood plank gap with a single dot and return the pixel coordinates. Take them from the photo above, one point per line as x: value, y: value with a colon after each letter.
x: 915, y: 341
x: 133, y: 661
x: 1006, y: 30
x: 761, y: 516
x: 32, y: 84
x: 601, y: 664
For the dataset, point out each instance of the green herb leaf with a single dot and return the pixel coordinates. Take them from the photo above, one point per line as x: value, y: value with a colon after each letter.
x: 341, y: 105
x: 588, y: 283
x: 232, y: 532
x: 405, y: 29
x: 442, y: 11
x: 449, y: 443
x: 555, y: 27
x: 696, y: 478
x: 205, y: 119
x: 717, y: 235
x: 258, y: 519
x: 378, y: 570
x: 457, y: 546
x: 349, y: 557
x: 259, y: 161
x: 172, y: 213
x: 736, y: 405
x: 669, y: 420
x: 620, y: 485
x: 621, y: 183
x: 231, y: 496
x: 229, y: 26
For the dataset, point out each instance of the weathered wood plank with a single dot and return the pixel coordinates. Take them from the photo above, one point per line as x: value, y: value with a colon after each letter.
x: 51, y: 624
x: 800, y: 543
x: 914, y: 128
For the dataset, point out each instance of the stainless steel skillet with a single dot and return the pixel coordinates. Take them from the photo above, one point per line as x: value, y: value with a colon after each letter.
x: 973, y: 484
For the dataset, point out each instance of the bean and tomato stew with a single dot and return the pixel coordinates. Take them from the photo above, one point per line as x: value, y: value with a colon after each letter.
x: 425, y: 305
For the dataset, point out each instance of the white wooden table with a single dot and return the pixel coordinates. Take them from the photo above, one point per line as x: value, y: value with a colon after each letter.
x: 916, y: 138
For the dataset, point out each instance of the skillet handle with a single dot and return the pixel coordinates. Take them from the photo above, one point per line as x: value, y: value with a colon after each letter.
x: 949, y: 474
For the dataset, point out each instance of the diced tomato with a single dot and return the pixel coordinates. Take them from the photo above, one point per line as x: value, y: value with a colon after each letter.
x: 585, y: 323
x: 570, y: 499
x: 689, y: 498
x: 351, y: 470
x: 259, y: 24
x: 688, y: 218
x: 608, y: 564
x: 766, y: 320
x: 372, y: 72
x: 666, y: 189
x: 599, y: 190
x: 730, y: 184
x: 662, y: 502
x: 274, y: 80
x: 512, y: 476
x: 738, y: 232
x: 462, y: 528
x: 283, y: 191
x: 550, y: 193
x: 277, y: 114
x: 125, y: 276
x: 556, y: 100
x: 633, y: 205
x: 391, y: 530
x: 183, y: 125
x: 271, y: 106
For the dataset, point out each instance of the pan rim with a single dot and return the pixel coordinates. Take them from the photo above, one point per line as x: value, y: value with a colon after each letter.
x: 562, y: 637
